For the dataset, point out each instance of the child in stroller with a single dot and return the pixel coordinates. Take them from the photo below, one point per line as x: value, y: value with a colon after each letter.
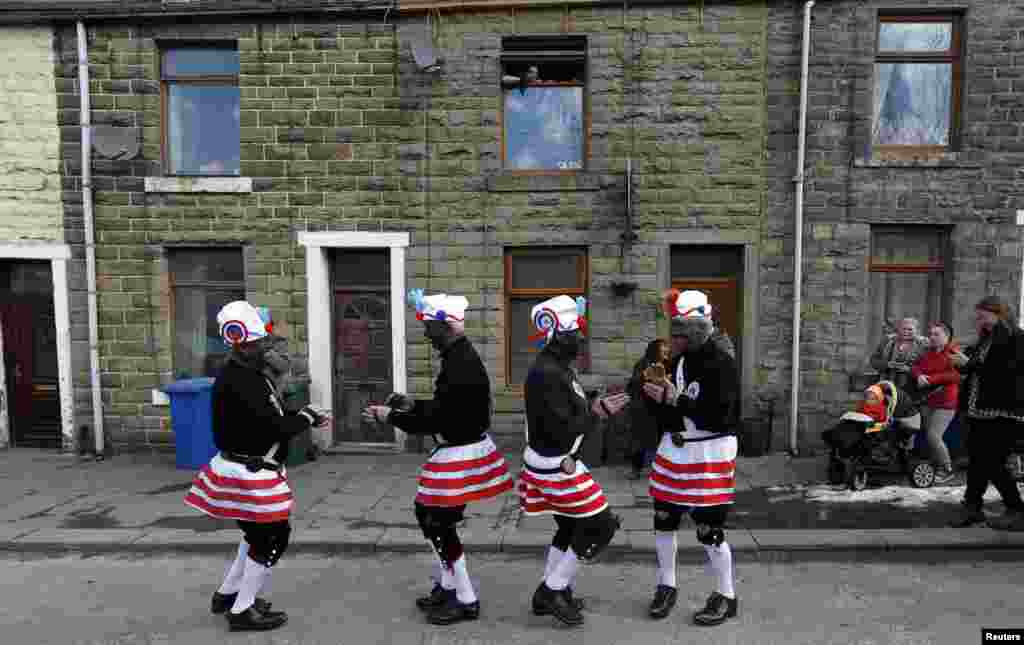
x: 878, y: 437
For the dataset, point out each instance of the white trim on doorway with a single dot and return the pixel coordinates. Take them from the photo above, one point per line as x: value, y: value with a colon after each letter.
x: 59, y: 255
x: 318, y: 311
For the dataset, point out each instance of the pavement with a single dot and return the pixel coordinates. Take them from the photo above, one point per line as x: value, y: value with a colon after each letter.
x: 132, y: 503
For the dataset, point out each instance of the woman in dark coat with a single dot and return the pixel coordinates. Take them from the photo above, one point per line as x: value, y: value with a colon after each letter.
x: 644, y: 432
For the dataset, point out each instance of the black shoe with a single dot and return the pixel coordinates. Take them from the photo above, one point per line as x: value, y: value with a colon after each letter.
x: 542, y: 610
x: 1012, y: 520
x: 454, y: 611
x: 717, y: 610
x: 664, y: 600
x: 251, y: 620
x: 944, y: 475
x: 557, y: 603
x: 969, y: 518
x: 437, y: 597
x: 222, y: 602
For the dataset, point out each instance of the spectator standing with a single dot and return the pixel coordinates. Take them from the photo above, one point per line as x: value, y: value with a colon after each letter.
x: 934, y: 370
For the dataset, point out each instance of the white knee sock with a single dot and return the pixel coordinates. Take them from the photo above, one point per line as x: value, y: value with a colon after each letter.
x: 463, y: 585
x: 564, y: 571
x: 720, y: 562
x: 233, y: 575
x: 252, y: 582
x: 445, y: 575
x: 554, y: 555
x: 666, y: 545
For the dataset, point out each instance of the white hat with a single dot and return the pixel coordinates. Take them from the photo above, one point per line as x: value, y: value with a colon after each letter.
x: 439, y: 306
x: 240, y: 322
x: 561, y: 313
x: 688, y: 304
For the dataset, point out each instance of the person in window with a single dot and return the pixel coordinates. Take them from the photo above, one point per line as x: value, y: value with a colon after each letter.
x: 643, y: 426
x: 934, y: 371
x: 246, y: 480
x: 896, y: 354
x: 467, y: 467
x: 554, y: 480
x: 992, y: 404
x: 695, y: 467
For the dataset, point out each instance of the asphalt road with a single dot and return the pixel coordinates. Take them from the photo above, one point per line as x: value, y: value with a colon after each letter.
x: 362, y: 600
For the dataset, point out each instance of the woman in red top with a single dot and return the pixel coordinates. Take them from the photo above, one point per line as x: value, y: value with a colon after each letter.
x: 933, y: 368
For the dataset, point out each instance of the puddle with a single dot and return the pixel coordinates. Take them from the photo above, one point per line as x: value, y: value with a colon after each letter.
x: 197, y: 523
x: 97, y: 517
x: 171, y: 488
x: 369, y: 524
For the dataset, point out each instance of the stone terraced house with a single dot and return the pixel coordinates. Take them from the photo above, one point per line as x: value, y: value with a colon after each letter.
x: 323, y: 157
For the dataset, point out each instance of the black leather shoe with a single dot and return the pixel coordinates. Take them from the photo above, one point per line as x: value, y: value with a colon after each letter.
x: 454, y: 611
x: 664, y: 600
x: 969, y: 518
x: 717, y: 610
x: 251, y: 620
x: 222, y: 602
x: 542, y: 610
x: 436, y: 598
x: 557, y: 603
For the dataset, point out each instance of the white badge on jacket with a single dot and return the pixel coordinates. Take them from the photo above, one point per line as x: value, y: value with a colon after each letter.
x: 579, y: 389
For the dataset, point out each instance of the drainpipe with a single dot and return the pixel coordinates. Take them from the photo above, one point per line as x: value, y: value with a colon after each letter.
x: 90, y: 238
x: 798, y: 256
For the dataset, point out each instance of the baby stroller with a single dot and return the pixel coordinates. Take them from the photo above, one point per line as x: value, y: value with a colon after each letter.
x: 859, y: 445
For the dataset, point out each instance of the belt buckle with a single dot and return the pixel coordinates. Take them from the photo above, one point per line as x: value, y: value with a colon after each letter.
x: 678, y: 439
x: 568, y: 465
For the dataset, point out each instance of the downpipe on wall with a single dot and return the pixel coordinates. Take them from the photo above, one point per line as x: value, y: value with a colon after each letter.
x: 798, y: 254
x: 90, y: 237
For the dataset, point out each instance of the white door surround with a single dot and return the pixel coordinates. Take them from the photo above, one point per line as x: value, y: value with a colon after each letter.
x: 58, y: 254
x: 319, y: 306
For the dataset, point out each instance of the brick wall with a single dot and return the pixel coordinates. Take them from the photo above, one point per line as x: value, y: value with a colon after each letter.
x: 30, y: 206
x: 974, y: 192
x: 318, y: 109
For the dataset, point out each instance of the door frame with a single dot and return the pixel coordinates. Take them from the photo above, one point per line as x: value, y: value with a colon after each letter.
x: 59, y: 255
x: 319, y: 305
x: 749, y: 240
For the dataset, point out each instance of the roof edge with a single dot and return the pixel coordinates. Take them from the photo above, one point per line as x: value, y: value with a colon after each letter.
x: 21, y: 12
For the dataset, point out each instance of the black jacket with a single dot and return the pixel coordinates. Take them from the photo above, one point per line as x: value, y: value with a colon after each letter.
x: 995, y: 385
x: 461, y: 408
x: 556, y: 412
x: 247, y: 414
x: 716, y: 407
x: 643, y: 412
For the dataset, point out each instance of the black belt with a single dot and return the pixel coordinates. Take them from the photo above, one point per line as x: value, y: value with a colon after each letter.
x: 253, y: 464
x: 456, y: 444
x: 551, y: 471
x: 717, y: 435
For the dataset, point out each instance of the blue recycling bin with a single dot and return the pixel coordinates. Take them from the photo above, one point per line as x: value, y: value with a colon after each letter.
x: 192, y: 421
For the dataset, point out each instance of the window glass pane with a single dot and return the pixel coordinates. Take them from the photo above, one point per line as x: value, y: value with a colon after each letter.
x: 544, y: 128
x: 522, y: 352
x: 706, y: 261
x: 547, y: 270
x: 907, y: 247
x: 362, y: 268
x: 199, y: 349
x: 200, y: 62
x: 901, y: 295
x: 206, y: 265
x: 203, y: 129
x: 915, y: 36
x: 912, y: 103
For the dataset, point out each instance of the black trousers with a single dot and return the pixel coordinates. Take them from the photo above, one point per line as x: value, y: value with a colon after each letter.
x: 989, y: 444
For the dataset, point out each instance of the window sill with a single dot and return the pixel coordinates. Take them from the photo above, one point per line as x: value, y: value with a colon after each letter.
x: 517, y: 182
x: 933, y: 160
x: 198, y: 184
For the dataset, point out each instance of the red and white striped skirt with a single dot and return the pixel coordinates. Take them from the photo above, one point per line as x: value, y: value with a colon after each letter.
x: 228, y: 491
x: 459, y: 475
x: 701, y: 473
x: 544, y: 488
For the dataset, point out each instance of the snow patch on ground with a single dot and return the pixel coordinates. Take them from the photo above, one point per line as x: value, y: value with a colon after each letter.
x: 901, y: 496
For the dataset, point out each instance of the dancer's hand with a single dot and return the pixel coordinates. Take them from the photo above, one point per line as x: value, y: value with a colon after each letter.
x: 376, y: 413
x: 608, y: 406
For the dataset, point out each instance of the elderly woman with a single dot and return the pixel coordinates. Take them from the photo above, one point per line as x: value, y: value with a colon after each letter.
x: 896, y: 355
x: 934, y: 370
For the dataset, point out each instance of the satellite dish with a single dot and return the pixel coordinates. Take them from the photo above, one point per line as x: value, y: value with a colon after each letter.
x: 423, y: 52
x: 112, y: 142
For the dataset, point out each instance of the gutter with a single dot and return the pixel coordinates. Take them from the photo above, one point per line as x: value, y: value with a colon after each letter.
x: 798, y: 217
x: 90, y: 237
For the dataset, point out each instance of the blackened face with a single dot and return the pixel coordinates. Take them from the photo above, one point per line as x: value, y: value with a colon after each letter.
x: 436, y: 331
x: 570, y: 343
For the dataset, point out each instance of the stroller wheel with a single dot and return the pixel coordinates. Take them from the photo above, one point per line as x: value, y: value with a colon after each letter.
x: 836, y: 472
x: 922, y: 474
x: 859, y: 480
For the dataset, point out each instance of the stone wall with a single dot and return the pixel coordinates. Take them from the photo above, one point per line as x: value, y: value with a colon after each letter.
x: 30, y: 182
x: 974, y: 192
x: 317, y: 110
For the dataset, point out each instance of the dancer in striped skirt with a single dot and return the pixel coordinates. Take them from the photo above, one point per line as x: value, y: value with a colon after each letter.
x: 554, y: 480
x: 466, y: 467
x: 246, y: 480
x: 695, y: 467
